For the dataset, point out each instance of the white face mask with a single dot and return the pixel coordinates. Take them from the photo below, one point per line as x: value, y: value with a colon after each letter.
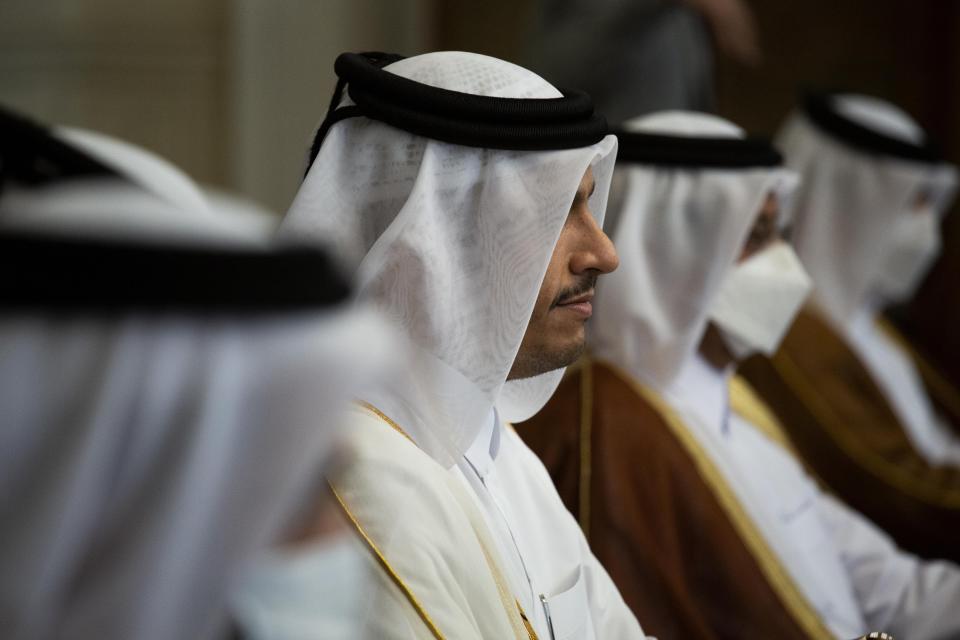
x: 759, y: 299
x: 914, y: 245
x: 316, y: 591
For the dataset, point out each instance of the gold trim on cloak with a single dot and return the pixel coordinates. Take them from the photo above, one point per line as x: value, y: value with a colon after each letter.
x: 523, y: 628
x: 385, y: 564
x: 795, y: 378
x: 745, y: 403
x: 780, y: 580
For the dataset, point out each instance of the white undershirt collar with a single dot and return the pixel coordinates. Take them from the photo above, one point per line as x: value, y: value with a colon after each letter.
x: 483, y: 451
x: 704, y: 391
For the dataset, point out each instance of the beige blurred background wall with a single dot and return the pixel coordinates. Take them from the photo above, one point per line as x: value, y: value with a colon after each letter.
x: 229, y: 90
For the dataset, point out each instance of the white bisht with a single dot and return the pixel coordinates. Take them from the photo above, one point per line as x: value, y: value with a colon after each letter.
x: 452, y: 242
x: 145, y: 456
x: 678, y: 232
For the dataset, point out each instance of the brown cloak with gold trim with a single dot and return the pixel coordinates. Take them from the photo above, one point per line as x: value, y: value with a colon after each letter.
x: 652, y: 513
x: 842, y: 426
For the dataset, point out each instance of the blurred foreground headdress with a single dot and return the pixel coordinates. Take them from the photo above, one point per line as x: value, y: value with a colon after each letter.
x: 168, y: 390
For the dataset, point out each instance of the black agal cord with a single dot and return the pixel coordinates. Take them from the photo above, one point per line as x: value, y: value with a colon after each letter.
x: 456, y: 117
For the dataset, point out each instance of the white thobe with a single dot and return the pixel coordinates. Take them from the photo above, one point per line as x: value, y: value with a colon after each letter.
x: 558, y: 581
x: 434, y: 525
x: 895, y: 373
x: 848, y: 569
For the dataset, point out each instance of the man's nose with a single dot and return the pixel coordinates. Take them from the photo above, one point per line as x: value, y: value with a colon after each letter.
x: 596, y: 250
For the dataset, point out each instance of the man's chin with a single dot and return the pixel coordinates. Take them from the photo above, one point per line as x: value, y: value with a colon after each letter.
x: 547, y: 360
x: 571, y: 354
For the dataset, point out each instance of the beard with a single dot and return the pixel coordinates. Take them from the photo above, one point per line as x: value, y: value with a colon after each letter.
x: 537, y: 355
x: 543, y: 361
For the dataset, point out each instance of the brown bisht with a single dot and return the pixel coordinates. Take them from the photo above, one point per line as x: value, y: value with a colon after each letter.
x: 659, y: 515
x: 847, y: 434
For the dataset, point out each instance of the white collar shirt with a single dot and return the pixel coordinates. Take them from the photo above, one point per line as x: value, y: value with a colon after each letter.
x: 555, y: 577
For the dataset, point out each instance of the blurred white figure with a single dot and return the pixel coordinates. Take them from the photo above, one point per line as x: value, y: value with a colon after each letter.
x: 867, y: 229
x: 169, y: 389
x: 250, y: 213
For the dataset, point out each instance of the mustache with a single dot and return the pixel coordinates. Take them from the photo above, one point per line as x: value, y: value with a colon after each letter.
x: 582, y: 286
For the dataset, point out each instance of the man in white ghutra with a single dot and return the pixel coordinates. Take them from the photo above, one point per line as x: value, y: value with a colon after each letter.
x: 469, y: 194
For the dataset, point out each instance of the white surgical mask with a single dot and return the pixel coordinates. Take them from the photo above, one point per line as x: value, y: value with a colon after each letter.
x: 914, y: 245
x: 759, y: 299
x: 305, y: 593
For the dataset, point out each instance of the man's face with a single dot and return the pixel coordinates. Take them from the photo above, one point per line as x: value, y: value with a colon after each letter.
x: 556, y: 334
x: 764, y: 232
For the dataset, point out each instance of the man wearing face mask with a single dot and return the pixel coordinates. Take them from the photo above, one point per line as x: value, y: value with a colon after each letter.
x: 708, y: 525
x: 865, y: 412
